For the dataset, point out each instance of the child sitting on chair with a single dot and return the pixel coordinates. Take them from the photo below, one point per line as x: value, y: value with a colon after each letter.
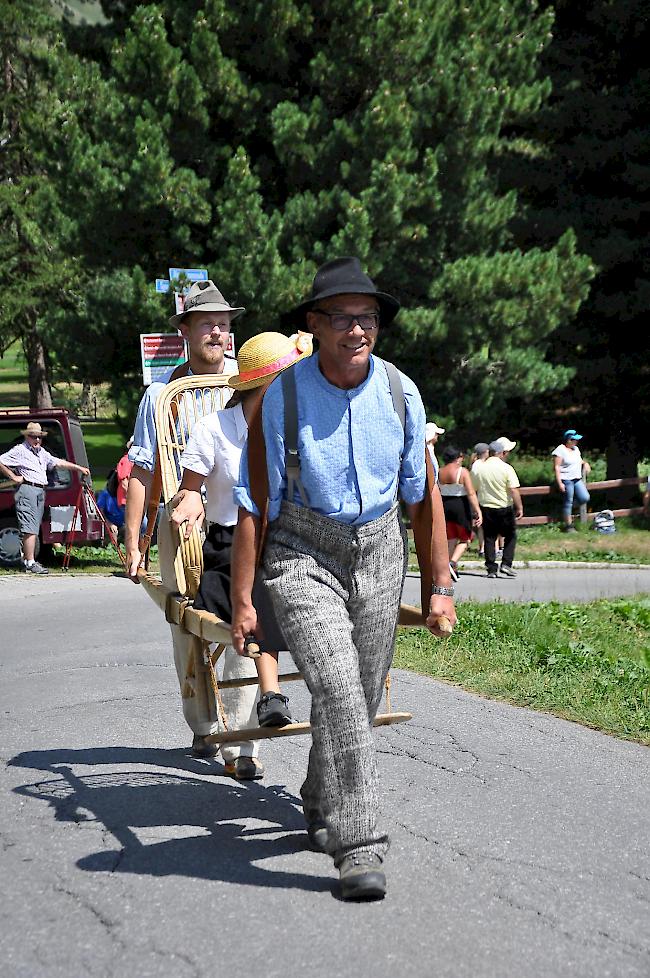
x: 212, y: 457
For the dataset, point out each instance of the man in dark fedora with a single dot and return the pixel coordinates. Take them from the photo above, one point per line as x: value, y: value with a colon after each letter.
x: 205, y: 323
x: 27, y: 465
x: 334, y: 558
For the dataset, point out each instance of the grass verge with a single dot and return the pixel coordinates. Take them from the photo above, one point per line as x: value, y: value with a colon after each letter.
x: 589, y: 663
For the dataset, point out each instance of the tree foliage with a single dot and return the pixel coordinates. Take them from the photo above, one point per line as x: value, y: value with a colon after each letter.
x: 260, y: 139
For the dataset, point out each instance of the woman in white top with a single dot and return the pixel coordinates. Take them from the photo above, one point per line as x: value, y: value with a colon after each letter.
x: 212, y: 458
x: 569, y: 470
x: 460, y: 503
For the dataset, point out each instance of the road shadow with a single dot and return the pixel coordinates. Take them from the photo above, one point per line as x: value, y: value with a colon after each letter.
x: 178, y: 796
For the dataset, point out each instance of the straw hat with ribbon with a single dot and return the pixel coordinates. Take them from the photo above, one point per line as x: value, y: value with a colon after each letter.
x: 34, y: 428
x: 263, y: 357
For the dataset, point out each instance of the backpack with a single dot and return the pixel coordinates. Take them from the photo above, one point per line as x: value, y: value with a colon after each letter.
x: 111, y: 482
x: 604, y: 522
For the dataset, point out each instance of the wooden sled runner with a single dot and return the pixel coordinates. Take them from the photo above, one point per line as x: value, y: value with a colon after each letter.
x: 180, y: 405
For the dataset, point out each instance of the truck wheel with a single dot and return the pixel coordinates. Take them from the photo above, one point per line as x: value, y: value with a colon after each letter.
x: 10, y: 552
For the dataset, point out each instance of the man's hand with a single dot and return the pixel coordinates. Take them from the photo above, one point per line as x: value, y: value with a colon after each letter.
x: 83, y: 470
x: 187, y: 508
x: 17, y: 479
x: 561, y: 487
x: 440, y: 607
x: 518, y: 514
x: 244, y: 622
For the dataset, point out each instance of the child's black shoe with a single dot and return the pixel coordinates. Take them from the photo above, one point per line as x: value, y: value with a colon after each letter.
x: 273, y: 710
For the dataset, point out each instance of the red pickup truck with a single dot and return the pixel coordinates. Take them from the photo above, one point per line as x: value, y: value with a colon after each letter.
x: 64, y: 440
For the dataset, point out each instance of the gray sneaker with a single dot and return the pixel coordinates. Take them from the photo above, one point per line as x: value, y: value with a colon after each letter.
x: 362, y: 877
x: 35, y: 568
x: 506, y: 571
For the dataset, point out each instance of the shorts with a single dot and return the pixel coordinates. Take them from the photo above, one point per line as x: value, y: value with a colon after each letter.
x: 30, y: 506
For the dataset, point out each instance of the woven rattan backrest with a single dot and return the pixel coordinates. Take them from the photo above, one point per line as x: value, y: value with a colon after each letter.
x: 180, y: 405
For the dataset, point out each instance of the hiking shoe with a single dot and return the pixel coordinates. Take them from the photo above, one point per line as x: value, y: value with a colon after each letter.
x: 506, y: 571
x: 453, y: 570
x: 362, y: 877
x: 492, y: 573
x: 35, y: 568
x: 317, y: 835
x: 498, y: 554
x: 244, y: 769
x: 273, y: 710
x: 202, y: 748
x: 569, y: 528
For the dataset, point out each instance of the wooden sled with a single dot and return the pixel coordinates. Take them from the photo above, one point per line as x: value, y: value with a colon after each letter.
x: 179, y: 407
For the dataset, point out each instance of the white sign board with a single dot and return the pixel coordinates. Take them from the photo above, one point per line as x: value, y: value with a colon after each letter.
x: 160, y: 352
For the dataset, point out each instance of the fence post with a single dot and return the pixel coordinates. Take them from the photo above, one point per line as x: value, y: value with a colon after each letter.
x: 583, y: 506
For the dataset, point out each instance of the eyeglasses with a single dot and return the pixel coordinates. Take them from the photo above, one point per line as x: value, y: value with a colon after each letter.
x: 36, y: 437
x: 341, y: 321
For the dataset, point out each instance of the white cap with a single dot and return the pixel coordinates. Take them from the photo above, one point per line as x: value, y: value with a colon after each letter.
x: 508, y: 445
x: 431, y: 429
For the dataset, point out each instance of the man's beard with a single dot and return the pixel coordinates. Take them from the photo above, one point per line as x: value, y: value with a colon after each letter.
x: 210, y: 355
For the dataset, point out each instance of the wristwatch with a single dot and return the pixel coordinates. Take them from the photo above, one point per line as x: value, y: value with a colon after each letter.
x: 447, y: 592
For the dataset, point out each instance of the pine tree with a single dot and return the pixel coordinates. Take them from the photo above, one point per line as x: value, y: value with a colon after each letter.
x: 260, y: 139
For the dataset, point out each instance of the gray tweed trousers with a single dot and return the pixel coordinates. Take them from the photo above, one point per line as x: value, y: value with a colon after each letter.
x: 336, y: 592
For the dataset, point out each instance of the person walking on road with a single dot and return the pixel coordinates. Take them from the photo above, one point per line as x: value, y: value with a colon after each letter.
x: 205, y: 324
x: 497, y: 488
x: 462, y: 511
x: 27, y: 466
x: 570, y: 469
x: 334, y: 559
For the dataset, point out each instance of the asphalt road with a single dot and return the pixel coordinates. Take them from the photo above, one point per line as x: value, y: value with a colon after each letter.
x: 544, y: 582
x: 519, y: 841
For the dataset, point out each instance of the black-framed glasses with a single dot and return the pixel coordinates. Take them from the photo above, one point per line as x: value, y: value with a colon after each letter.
x: 342, y: 321
x: 38, y: 437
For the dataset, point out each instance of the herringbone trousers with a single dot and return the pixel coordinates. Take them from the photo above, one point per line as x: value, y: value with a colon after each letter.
x: 336, y: 593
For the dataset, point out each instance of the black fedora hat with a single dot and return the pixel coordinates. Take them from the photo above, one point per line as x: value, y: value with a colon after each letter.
x: 342, y: 276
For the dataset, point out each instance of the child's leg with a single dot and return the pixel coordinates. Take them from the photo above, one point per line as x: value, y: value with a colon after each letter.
x: 267, y: 672
x: 273, y: 706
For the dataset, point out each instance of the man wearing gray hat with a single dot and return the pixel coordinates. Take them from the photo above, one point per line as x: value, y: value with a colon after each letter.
x: 497, y: 488
x: 205, y: 323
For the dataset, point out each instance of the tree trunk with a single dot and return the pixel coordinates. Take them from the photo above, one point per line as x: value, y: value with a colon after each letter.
x: 36, y: 355
x: 85, y: 404
x: 622, y: 458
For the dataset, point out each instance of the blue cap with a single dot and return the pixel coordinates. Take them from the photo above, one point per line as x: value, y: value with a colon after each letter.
x: 571, y: 433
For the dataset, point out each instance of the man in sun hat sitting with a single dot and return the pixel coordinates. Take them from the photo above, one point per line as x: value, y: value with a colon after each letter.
x: 205, y: 323
x: 334, y: 559
x: 27, y: 466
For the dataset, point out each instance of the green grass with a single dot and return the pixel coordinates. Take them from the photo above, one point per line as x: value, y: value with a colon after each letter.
x: 105, y: 445
x: 588, y: 663
x: 14, y: 391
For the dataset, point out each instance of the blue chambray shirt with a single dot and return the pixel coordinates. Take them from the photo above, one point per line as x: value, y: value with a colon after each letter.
x: 349, y: 443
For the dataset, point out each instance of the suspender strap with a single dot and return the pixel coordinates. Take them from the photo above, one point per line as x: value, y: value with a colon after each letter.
x: 396, y: 392
x: 291, y: 456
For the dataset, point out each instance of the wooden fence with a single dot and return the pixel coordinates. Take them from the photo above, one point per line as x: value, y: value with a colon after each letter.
x: 584, y: 515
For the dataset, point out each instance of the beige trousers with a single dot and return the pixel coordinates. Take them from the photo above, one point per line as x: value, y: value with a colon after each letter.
x: 199, y: 708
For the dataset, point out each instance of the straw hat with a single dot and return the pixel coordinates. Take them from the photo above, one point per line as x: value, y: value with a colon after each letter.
x: 204, y: 297
x: 263, y: 357
x: 34, y: 428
